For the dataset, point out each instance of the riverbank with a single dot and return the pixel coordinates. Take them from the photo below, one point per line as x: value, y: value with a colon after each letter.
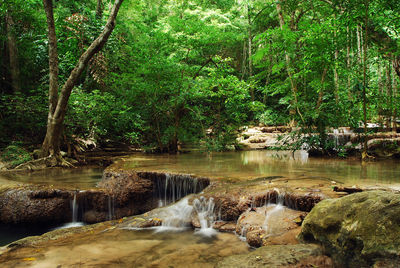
x: 341, y: 142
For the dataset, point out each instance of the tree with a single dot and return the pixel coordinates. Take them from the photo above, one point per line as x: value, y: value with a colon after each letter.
x: 12, y: 52
x: 58, y: 102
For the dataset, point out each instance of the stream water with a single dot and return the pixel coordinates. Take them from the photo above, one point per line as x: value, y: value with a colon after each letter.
x: 162, y: 247
x: 77, y: 178
x: 254, y: 164
x: 133, y: 248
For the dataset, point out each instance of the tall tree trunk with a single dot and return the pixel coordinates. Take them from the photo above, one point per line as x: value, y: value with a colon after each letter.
x: 396, y: 65
x: 58, y: 104
x: 51, y: 144
x: 250, y: 45
x: 395, y: 90
x: 335, y: 71
x: 99, y: 9
x: 389, y: 93
x: 365, y: 42
x: 288, y: 63
x: 321, y: 92
x: 12, y: 52
x: 244, y: 61
x: 359, y: 45
x: 380, y: 94
x: 348, y: 60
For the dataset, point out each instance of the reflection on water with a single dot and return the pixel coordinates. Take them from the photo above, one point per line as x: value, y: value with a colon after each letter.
x: 79, y: 178
x: 10, y: 233
x: 253, y: 164
x: 127, y: 248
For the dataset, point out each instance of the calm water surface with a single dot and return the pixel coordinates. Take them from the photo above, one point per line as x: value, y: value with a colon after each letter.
x: 252, y: 164
x: 79, y: 178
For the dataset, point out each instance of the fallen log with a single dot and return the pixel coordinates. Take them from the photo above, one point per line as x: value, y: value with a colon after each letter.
x: 348, y: 190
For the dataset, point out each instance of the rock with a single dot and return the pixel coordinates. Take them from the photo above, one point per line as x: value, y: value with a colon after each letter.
x: 358, y: 230
x: 93, y: 216
x: 255, y: 238
x: 384, y: 147
x: 223, y: 226
x: 270, y: 225
x: 251, y: 220
x: 279, y: 256
x: 34, y: 205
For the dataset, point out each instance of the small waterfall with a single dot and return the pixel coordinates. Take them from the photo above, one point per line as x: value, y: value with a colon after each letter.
x: 280, y: 197
x: 205, y: 214
x: 269, y: 218
x: 111, y: 207
x: 173, y: 187
x: 336, y: 137
x: 178, y: 216
x: 271, y: 215
x: 74, y: 210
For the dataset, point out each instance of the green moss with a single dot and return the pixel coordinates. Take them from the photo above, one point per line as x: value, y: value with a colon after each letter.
x: 15, y: 154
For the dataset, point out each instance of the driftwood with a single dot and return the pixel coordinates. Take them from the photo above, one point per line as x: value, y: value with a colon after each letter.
x: 348, y: 190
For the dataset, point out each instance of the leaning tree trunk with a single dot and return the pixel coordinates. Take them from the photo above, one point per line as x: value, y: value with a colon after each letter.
x: 58, y: 104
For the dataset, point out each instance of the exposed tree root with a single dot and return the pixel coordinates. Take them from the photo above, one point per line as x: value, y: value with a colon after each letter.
x: 366, y: 157
x: 48, y: 161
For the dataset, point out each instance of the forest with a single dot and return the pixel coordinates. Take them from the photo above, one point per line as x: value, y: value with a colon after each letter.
x: 191, y: 72
x: 201, y: 133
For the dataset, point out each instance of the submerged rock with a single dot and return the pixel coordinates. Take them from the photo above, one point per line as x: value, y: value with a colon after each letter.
x: 271, y: 225
x: 359, y: 230
x: 308, y: 255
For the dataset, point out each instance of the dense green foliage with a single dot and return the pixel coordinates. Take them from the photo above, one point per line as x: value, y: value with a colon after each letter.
x: 182, y: 71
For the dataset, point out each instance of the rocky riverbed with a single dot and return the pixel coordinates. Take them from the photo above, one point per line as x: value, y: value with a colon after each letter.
x: 214, y: 217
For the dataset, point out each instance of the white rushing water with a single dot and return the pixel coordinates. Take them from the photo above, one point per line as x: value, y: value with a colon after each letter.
x: 74, y: 211
x: 205, y: 213
x: 178, y: 216
x: 111, y: 207
x: 175, y: 187
x: 275, y: 212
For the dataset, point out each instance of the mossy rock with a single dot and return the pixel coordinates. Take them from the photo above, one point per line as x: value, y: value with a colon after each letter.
x: 358, y: 230
x: 384, y: 148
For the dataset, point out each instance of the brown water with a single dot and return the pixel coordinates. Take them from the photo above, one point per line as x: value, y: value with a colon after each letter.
x: 253, y: 164
x: 234, y: 165
x: 144, y: 248
x: 77, y: 178
x: 129, y: 248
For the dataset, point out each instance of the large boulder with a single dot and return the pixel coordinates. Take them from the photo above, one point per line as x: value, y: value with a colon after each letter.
x: 358, y: 230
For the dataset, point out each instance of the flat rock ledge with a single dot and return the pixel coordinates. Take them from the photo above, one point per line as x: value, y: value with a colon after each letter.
x: 301, y: 255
